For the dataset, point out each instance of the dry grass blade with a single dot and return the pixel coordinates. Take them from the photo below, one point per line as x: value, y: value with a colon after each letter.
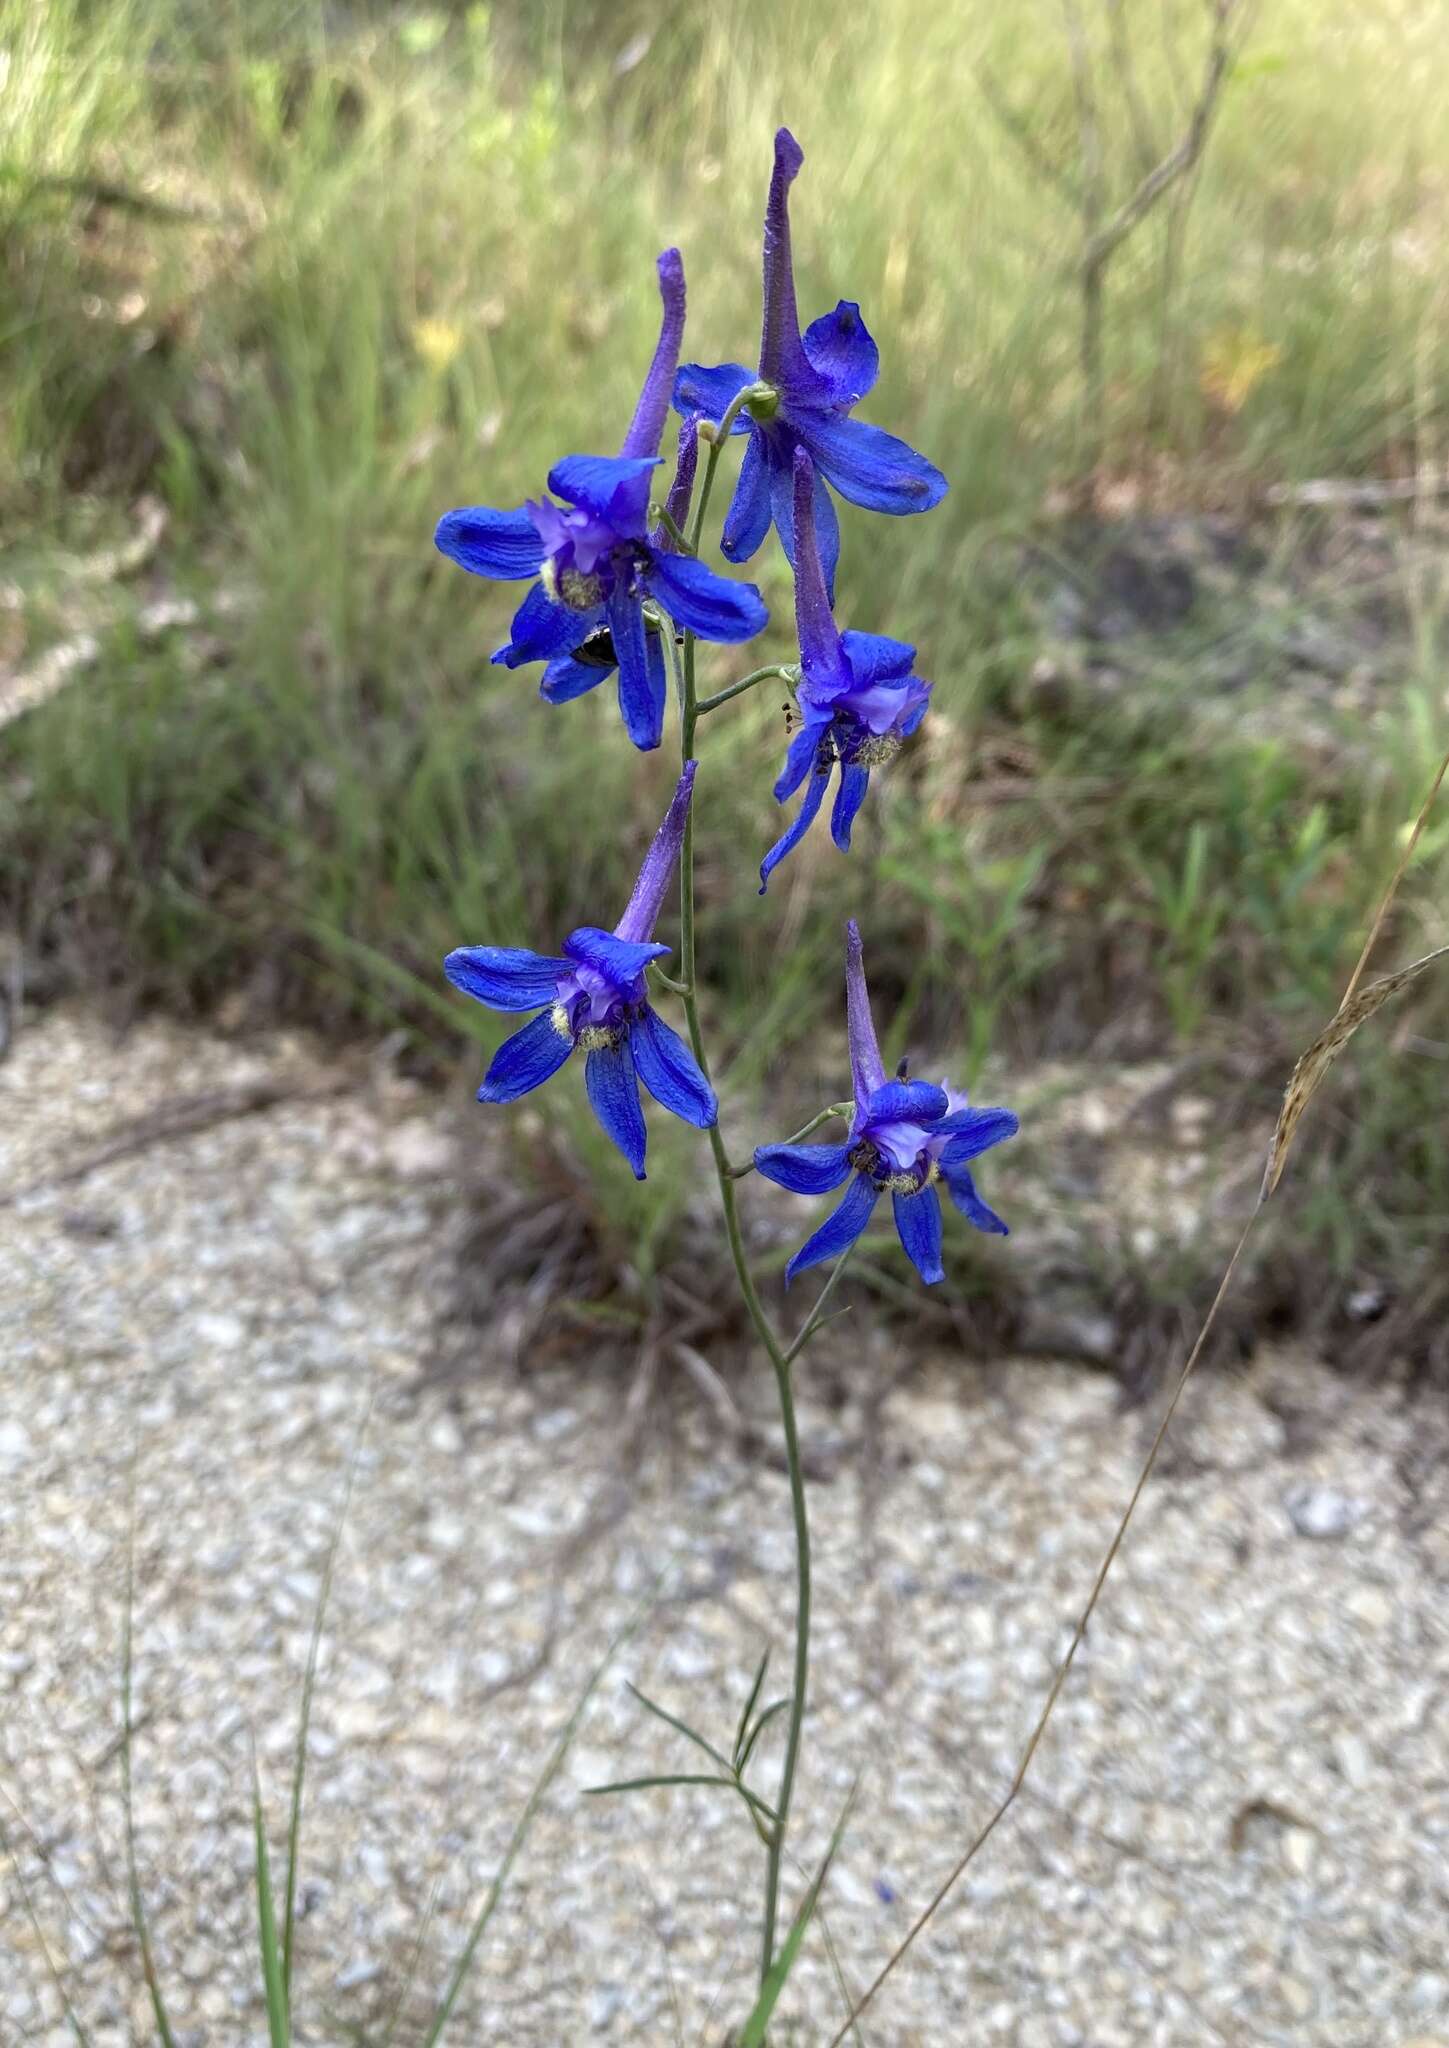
x: 1325, y: 1049
x: 1351, y: 1012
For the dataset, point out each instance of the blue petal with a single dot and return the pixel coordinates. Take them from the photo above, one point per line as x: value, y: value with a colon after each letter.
x: 974, y: 1131
x: 748, y: 519
x: 869, y: 466
x: 525, y: 1061
x: 854, y: 782
x: 670, y: 1071
x: 827, y: 534
x: 800, y: 757
x: 918, y: 1220
x: 804, y: 819
x: 614, y: 488
x: 489, y: 543
x: 505, y: 977
x: 804, y: 1169
x: 782, y: 509
x: 916, y: 713
x: 542, y: 629
x: 614, y: 1093
x: 839, y: 1230
x: 911, y: 1102
x: 962, y: 1190
x: 711, y: 392
x: 875, y: 658
x: 703, y: 603
x: 622, y: 961
x: 641, y: 670
x: 840, y: 347
x: 566, y: 678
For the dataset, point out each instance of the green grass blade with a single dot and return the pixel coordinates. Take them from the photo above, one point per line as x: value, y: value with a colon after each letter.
x: 309, y: 1681
x: 52, y: 1969
x: 749, y: 1707
x: 520, y: 1835
x: 683, y: 1778
x: 279, y: 2025
x: 775, y: 1707
x: 133, y: 1876
x: 753, y: 2033
x: 682, y: 1727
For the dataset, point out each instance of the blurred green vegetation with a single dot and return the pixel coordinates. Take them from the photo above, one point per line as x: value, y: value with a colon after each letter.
x: 310, y: 275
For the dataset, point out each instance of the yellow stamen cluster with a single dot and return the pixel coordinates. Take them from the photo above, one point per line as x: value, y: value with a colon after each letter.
x: 599, y: 1038
x: 874, y: 753
x: 578, y: 591
x: 909, y: 1183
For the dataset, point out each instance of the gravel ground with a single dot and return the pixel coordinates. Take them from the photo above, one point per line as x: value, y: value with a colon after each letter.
x: 1239, y: 1828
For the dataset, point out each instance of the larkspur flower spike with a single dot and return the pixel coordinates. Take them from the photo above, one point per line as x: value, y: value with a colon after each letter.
x: 859, y: 698
x: 810, y: 383
x: 593, y: 997
x: 905, y: 1137
x: 596, y: 563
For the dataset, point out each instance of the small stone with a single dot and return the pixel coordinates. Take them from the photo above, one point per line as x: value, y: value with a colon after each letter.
x: 1322, y: 1513
x: 1298, y: 1997
x: 14, y: 1444
x: 357, y: 1721
x: 1371, y: 1606
x: 362, y: 1970
x: 1300, y: 1850
x: 417, y: 1150
x: 605, y: 2002
x: 1354, y: 1758
x: 221, y: 1331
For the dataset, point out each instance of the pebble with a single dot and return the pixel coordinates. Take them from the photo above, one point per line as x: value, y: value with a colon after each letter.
x: 1323, y: 1513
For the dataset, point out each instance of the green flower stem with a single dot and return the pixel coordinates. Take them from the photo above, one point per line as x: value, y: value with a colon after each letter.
x: 760, y: 675
x: 758, y: 1318
x: 841, y: 1109
x: 816, y: 1316
x: 718, y: 435
x: 660, y: 515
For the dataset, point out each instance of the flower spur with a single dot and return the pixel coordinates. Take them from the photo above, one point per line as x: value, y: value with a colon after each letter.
x: 905, y: 1136
x: 597, y: 563
x: 593, y: 997
x: 802, y: 395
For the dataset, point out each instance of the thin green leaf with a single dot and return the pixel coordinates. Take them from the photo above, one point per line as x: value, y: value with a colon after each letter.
x: 309, y: 1682
x: 684, y: 1778
x: 133, y: 1878
x: 520, y: 1834
x: 278, y: 2021
x: 749, y: 1707
x: 775, y: 1707
x: 753, y: 2033
x: 682, y: 1727
x: 58, y: 1982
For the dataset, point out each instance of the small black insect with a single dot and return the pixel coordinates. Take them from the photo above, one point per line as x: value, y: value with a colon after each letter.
x: 597, y: 651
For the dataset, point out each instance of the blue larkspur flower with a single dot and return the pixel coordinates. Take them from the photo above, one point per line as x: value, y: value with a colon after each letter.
x: 596, y: 562
x: 593, y: 996
x: 859, y: 700
x: 905, y: 1136
x: 811, y: 383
